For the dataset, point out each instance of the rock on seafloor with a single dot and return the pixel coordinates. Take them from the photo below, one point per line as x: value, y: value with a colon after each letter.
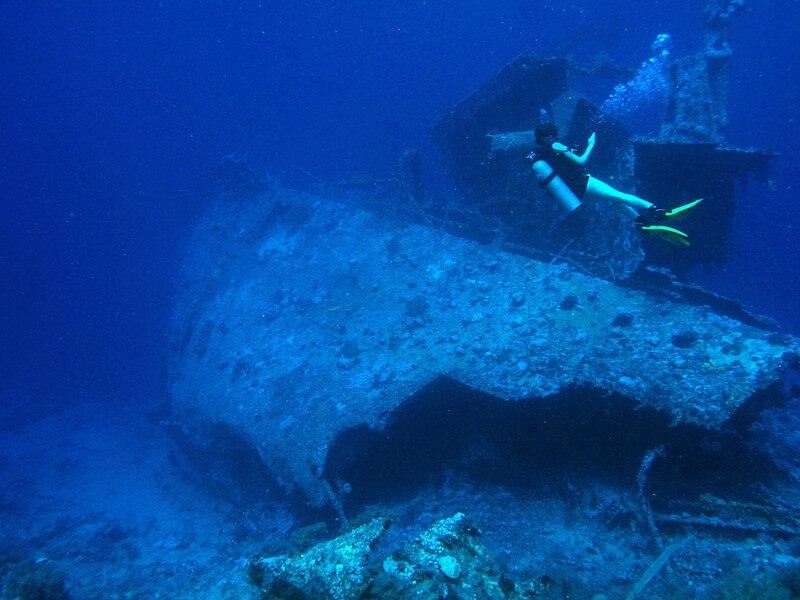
x: 446, y: 560
x: 299, y: 318
x: 333, y: 569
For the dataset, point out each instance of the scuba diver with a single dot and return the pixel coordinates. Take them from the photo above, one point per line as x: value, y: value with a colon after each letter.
x: 560, y: 172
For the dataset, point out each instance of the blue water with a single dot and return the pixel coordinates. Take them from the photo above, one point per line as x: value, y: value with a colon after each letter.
x: 112, y: 115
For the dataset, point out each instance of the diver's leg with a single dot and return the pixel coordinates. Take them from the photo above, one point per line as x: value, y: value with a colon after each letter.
x: 598, y: 190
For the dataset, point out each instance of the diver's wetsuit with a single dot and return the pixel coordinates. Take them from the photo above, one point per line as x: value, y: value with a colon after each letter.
x: 573, y: 174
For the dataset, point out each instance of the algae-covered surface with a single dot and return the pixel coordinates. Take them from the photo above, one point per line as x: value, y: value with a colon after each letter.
x: 300, y: 318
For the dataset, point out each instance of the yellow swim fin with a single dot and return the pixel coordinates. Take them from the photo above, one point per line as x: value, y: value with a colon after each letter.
x: 667, y: 233
x: 681, y: 212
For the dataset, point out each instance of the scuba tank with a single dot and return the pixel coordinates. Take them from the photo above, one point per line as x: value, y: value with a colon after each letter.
x: 555, y: 186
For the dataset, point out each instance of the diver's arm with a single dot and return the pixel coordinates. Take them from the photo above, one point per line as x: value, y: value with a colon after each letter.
x: 582, y: 158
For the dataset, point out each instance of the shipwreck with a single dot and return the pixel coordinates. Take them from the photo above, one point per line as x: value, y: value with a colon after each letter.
x: 321, y: 329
